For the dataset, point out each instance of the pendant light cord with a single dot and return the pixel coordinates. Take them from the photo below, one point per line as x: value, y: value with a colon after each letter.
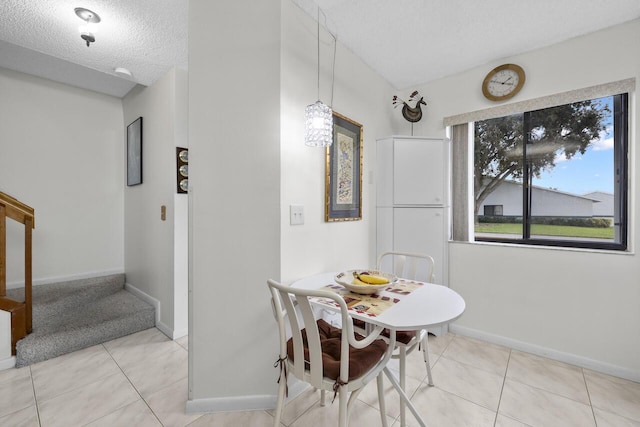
x: 333, y: 65
x: 318, y: 40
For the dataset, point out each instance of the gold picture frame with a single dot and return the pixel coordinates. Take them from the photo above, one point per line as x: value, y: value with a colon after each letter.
x: 343, y: 171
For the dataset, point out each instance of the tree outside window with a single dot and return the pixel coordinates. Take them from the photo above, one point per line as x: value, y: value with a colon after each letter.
x: 558, y: 173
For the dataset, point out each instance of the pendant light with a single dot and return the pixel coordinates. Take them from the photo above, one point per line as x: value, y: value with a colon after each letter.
x: 319, y: 117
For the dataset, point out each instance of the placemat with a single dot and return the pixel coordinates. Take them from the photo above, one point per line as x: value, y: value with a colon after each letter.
x: 371, y: 305
x: 404, y: 287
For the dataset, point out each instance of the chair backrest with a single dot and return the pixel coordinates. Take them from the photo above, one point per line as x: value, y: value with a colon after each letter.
x: 407, y: 265
x: 293, y: 306
x: 294, y: 313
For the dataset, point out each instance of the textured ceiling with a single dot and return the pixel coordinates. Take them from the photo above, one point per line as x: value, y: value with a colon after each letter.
x: 148, y: 37
x: 408, y: 42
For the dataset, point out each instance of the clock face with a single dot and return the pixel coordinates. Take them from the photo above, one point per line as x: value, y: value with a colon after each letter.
x: 503, y: 82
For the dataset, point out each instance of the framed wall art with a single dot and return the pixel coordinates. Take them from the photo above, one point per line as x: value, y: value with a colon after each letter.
x: 343, y: 177
x: 134, y: 152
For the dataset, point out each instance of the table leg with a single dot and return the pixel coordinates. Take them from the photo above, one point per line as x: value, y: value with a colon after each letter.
x: 403, y: 374
x: 404, y: 397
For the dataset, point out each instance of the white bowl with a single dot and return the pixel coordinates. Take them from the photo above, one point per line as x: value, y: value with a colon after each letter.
x: 345, y: 279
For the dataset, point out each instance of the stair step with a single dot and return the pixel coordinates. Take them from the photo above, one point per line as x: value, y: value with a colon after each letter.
x: 55, y: 298
x: 73, y: 315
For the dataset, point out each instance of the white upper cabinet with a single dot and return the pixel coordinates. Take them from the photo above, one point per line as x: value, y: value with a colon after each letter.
x: 411, y: 171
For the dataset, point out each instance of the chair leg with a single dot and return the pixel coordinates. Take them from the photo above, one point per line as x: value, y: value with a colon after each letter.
x: 343, y: 420
x: 403, y: 375
x: 425, y: 353
x: 353, y: 397
x: 282, y: 387
x: 381, y: 403
x: 323, y: 399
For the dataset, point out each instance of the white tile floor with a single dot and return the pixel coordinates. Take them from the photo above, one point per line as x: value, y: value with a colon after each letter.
x: 141, y: 380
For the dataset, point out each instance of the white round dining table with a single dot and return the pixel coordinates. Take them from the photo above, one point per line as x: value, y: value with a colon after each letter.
x: 422, y: 306
x: 427, y: 306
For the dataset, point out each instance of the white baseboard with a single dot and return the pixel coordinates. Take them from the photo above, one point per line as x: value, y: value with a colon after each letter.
x: 242, y: 403
x: 146, y: 298
x: 165, y: 329
x: 57, y: 279
x: 231, y: 404
x: 8, y: 363
x: 573, y: 359
x: 169, y: 332
x: 179, y: 333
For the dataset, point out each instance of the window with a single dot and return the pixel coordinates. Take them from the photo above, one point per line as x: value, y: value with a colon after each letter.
x: 492, y: 210
x: 554, y: 176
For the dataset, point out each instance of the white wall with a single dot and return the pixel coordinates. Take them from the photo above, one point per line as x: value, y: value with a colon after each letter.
x: 579, y: 306
x: 360, y: 94
x: 234, y: 150
x: 61, y: 151
x: 181, y: 214
x: 240, y: 224
x: 149, y: 241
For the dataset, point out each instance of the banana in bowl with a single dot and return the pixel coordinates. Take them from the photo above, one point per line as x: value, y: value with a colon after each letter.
x: 365, y: 281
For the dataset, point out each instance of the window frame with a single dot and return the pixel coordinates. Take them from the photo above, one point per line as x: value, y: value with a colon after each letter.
x: 621, y: 173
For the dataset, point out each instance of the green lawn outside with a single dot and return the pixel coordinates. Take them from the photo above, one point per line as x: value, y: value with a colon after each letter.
x: 547, y: 230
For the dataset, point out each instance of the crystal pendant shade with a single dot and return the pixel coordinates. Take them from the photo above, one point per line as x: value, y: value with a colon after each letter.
x: 319, y: 125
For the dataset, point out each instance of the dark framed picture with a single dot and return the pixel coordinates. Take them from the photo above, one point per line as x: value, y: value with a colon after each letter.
x: 134, y: 152
x: 343, y: 177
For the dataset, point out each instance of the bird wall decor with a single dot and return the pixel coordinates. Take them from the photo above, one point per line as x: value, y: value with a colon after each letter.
x: 411, y: 114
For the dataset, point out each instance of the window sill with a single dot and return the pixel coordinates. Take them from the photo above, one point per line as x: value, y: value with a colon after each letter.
x: 547, y: 248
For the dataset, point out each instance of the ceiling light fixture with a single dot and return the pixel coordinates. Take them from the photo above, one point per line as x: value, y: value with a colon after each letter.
x: 319, y: 116
x: 123, y: 72
x: 88, y: 29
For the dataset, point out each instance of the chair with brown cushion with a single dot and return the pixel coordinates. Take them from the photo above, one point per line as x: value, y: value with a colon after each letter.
x: 328, y: 358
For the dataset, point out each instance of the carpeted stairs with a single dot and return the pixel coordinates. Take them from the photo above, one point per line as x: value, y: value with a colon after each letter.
x: 73, y: 315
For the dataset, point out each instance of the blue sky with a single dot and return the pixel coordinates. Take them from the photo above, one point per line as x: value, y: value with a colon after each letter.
x: 591, y: 171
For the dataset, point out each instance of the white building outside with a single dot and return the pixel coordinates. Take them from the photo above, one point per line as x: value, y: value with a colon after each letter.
x: 506, y: 200
x: 605, y: 206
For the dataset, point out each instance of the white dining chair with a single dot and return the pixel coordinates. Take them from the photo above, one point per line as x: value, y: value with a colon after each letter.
x: 328, y: 358
x: 418, y: 267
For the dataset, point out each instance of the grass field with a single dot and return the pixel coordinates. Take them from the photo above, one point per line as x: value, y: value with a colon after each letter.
x: 547, y: 230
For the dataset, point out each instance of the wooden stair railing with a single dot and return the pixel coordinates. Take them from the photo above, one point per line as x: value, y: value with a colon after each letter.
x: 21, y: 315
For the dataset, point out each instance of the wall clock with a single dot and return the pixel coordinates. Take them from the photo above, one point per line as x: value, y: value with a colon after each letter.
x: 503, y: 82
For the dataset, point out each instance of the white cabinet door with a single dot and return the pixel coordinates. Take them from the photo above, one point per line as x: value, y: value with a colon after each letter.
x: 384, y: 231
x: 418, y: 171
x: 421, y: 230
x: 384, y: 172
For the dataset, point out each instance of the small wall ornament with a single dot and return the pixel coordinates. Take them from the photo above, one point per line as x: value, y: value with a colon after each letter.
x: 411, y: 114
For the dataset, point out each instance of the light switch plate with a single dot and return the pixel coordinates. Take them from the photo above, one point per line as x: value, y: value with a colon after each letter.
x: 296, y: 213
